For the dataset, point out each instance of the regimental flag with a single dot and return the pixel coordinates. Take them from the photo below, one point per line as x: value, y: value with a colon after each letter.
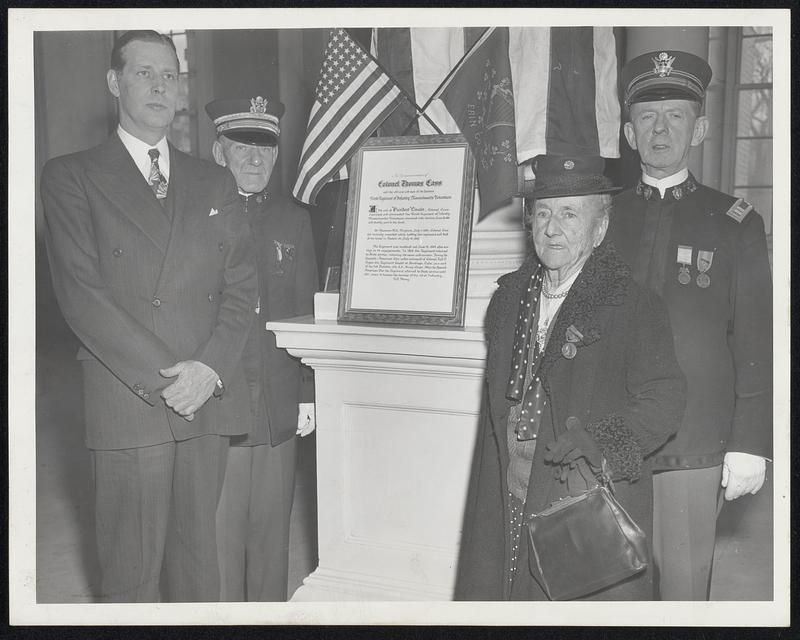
x: 480, y: 98
x: 564, y: 80
x: 353, y: 96
x: 418, y: 60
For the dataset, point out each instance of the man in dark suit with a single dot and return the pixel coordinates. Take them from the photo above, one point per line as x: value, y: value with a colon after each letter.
x: 154, y: 271
x: 256, y: 503
x: 705, y: 253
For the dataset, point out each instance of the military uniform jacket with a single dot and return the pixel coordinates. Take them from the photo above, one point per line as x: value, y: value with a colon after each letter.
x: 723, y: 330
x: 287, y: 276
x: 145, y: 285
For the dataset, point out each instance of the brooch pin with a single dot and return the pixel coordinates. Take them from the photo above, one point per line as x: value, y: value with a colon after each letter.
x: 284, y: 254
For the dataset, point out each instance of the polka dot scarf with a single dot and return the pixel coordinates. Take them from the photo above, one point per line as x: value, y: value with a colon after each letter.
x: 533, y: 398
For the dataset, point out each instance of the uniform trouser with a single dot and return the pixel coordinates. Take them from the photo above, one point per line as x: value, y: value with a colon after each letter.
x: 154, y: 510
x: 684, y: 529
x: 253, y: 522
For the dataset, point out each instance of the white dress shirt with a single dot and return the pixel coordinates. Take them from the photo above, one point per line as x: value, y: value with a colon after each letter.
x: 139, y: 153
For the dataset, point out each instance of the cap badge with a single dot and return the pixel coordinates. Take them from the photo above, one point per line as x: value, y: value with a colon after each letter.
x: 258, y: 105
x: 569, y: 165
x: 663, y: 64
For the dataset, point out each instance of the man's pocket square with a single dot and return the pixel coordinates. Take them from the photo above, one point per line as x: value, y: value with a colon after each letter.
x: 213, y: 212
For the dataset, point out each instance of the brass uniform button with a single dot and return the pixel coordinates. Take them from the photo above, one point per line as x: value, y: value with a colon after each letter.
x: 156, y: 302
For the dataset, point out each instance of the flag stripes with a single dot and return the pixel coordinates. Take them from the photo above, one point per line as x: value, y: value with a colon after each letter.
x: 353, y: 96
x: 326, y: 124
x: 571, y: 117
x: 565, y: 90
x: 606, y: 100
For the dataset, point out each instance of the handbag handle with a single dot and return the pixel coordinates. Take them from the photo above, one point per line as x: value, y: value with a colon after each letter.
x: 602, y: 477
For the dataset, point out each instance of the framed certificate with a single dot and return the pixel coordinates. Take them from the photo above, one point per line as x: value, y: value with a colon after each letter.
x: 408, y: 229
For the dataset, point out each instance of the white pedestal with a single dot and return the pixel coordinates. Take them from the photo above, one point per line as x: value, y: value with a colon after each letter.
x: 397, y: 411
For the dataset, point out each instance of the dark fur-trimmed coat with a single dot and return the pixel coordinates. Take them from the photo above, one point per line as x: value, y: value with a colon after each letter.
x: 624, y: 385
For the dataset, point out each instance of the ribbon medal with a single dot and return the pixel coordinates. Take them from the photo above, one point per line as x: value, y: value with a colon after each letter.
x: 568, y: 349
x: 684, y: 260
x: 704, y: 260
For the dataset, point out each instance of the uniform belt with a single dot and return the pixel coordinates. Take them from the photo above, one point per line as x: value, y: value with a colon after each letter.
x: 683, y: 461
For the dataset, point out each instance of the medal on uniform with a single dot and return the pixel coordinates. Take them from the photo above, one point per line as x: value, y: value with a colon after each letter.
x: 704, y: 260
x: 684, y: 260
x: 569, y: 350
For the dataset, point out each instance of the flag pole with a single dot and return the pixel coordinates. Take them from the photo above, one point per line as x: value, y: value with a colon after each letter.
x: 458, y: 66
x: 388, y: 75
x: 443, y: 85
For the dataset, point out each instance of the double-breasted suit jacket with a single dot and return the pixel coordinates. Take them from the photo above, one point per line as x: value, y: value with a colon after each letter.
x: 145, y: 285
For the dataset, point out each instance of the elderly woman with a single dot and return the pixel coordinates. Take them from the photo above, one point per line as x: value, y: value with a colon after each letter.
x: 572, y: 342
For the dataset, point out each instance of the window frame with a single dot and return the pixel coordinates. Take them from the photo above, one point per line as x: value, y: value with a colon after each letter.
x: 733, y: 89
x: 190, y: 74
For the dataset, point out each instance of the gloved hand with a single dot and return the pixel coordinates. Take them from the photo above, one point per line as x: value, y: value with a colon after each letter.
x: 742, y: 473
x: 306, y: 419
x: 573, y: 444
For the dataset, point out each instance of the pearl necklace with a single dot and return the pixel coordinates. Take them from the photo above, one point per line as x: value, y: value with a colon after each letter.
x: 548, y: 310
x: 553, y: 296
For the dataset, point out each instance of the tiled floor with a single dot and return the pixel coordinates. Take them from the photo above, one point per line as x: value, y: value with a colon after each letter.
x: 66, y: 561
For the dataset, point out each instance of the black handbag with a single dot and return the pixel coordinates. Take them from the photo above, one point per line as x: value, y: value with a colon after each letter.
x: 581, y: 544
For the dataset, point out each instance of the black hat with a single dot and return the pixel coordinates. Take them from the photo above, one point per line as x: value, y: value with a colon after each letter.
x: 665, y: 75
x: 248, y: 120
x: 563, y: 176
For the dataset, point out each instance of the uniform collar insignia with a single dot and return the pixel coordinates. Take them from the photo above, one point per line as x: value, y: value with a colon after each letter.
x: 678, y: 192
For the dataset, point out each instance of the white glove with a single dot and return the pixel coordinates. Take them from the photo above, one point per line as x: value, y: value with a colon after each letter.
x: 306, y: 419
x: 742, y: 473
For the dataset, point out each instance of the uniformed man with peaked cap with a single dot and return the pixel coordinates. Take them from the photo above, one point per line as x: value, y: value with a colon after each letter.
x: 256, y: 503
x: 705, y: 253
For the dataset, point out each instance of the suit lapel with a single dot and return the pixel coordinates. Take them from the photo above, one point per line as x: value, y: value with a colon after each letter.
x: 179, y: 188
x: 190, y: 206
x: 117, y: 176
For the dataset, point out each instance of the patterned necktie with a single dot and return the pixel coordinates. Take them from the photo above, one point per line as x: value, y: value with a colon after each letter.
x: 157, y: 181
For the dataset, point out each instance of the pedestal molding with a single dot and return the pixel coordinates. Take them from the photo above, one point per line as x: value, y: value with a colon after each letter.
x: 361, y: 587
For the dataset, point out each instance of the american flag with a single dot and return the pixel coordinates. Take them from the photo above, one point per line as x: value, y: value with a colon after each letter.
x: 353, y: 96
